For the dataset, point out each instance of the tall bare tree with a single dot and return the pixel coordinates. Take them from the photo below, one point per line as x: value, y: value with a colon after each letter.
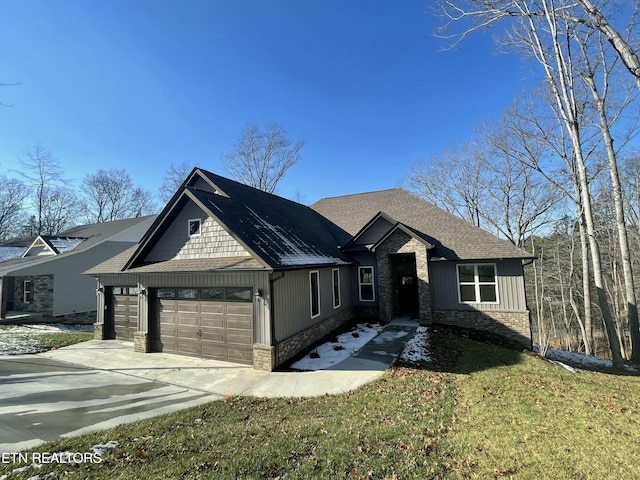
x: 546, y: 30
x: 596, y: 71
x: 43, y: 174
x: 261, y: 157
x: 109, y: 195
x: 173, y: 178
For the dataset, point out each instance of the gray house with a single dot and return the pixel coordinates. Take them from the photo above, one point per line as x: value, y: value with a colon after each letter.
x: 46, y: 279
x: 233, y: 273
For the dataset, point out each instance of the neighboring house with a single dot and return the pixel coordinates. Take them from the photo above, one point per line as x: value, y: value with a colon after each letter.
x: 233, y: 273
x: 46, y: 278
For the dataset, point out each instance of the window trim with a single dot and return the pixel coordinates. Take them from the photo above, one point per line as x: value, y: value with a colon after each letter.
x: 337, y: 304
x: 199, y: 232
x: 317, y: 296
x: 27, y: 291
x: 477, y: 283
x: 373, y: 284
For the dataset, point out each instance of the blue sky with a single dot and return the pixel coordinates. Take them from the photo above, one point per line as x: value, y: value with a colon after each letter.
x: 141, y: 84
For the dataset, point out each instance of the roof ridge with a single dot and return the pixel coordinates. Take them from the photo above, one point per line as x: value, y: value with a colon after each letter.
x: 363, y: 193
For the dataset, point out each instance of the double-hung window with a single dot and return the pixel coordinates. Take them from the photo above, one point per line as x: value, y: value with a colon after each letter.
x: 477, y: 283
x: 314, y: 286
x: 365, y: 284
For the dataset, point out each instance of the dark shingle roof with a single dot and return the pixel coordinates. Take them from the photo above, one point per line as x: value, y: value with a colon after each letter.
x: 282, y: 233
x: 453, y: 238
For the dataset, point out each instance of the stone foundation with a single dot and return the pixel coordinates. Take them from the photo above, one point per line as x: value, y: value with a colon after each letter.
x: 514, y: 326
x: 290, y: 347
x: 264, y: 357
x: 140, y: 343
x: 98, y: 331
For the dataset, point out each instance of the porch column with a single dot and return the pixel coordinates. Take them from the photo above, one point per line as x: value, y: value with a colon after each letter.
x: 141, y: 336
x: 98, y: 327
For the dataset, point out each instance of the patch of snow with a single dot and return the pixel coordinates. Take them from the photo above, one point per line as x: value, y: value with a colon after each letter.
x: 14, y: 339
x: 417, y: 348
x: 309, y: 259
x: 7, y: 253
x: 580, y: 359
x: 388, y: 336
x: 327, y: 355
x: 64, y: 244
x: 100, y: 448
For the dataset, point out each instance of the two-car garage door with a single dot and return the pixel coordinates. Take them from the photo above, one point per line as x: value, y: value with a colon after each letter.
x: 212, y: 322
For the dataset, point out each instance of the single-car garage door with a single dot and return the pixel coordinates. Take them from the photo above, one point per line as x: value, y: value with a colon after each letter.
x: 214, y: 322
x: 125, y: 312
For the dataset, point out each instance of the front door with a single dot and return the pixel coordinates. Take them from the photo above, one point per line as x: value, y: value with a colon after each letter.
x: 408, y: 294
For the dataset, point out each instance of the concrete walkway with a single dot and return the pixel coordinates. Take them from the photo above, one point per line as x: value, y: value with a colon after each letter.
x: 224, y: 379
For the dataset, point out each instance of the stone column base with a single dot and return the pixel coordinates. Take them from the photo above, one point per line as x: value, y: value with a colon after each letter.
x: 98, y: 331
x: 264, y: 357
x: 140, y: 343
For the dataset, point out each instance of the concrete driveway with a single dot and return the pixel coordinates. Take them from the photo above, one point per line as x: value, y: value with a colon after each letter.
x: 43, y: 399
x: 97, y: 385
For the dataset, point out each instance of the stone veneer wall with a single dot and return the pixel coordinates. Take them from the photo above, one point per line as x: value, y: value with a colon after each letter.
x: 42, y: 295
x: 514, y: 326
x: 400, y: 242
x: 266, y: 357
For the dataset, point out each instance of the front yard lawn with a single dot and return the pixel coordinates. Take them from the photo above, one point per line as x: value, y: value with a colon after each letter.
x: 472, y: 410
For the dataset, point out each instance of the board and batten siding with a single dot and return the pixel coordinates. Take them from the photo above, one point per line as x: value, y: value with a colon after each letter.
x: 213, y: 241
x: 256, y: 280
x: 443, y: 281
x: 292, y: 297
x: 375, y: 232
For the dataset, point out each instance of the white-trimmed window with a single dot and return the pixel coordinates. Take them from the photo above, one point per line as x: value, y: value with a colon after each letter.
x: 27, y: 293
x: 365, y: 284
x: 335, y: 275
x: 194, y: 227
x: 477, y: 283
x: 314, y: 286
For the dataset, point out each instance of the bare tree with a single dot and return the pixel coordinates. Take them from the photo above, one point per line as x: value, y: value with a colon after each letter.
x: 60, y: 210
x: 109, y: 195
x: 173, y: 178
x: 547, y: 34
x: 454, y: 180
x: 43, y: 173
x: 484, y: 183
x: 13, y: 193
x: 596, y: 72
x: 260, y: 158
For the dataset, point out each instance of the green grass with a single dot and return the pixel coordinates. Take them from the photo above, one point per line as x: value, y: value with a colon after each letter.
x: 477, y: 411
x: 47, y: 341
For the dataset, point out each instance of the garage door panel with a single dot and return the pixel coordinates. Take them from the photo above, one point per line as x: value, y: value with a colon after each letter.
x: 213, y: 322
x: 239, y: 323
x: 239, y: 338
x: 187, y: 320
x: 240, y: 309
x: 187, y: 307
x: 213, y: 335
x: 215, y: 308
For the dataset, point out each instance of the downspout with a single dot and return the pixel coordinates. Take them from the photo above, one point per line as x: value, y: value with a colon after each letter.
x: 272, y: 326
